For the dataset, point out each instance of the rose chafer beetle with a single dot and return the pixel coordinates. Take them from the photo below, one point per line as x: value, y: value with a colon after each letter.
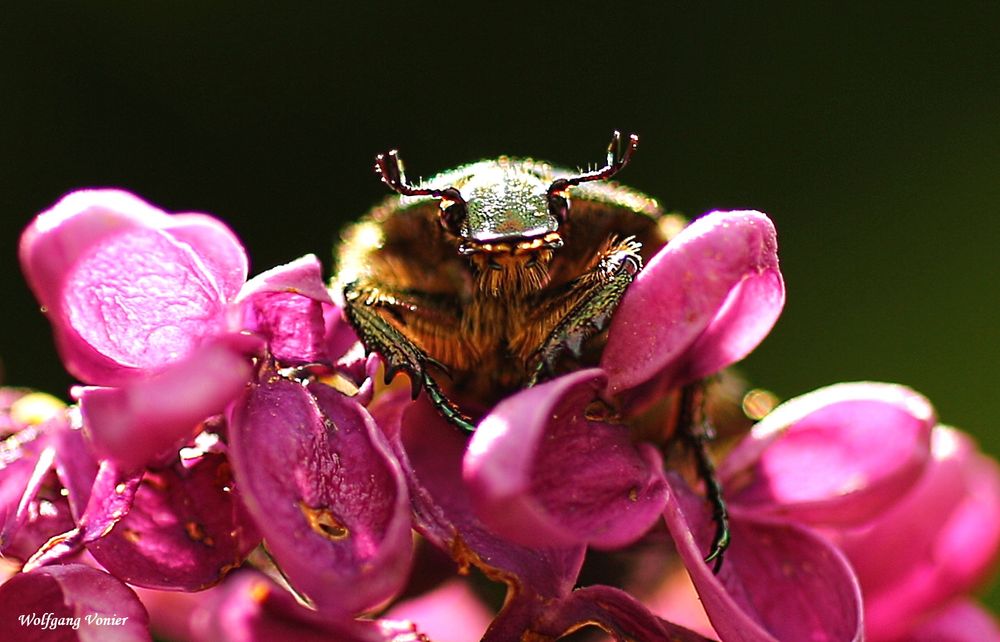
x: 484, y: 279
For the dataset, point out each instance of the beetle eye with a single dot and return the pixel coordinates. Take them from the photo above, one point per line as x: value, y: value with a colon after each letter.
x: 452, y: 215
x: 559, y: 206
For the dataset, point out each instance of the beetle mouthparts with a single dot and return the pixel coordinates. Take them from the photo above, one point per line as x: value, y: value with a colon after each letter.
x: 550, y: 241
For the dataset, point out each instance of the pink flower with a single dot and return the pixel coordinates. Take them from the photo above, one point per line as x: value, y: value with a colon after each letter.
x: 150, y: 308
x: 155, y: 310
x: 864, y: 473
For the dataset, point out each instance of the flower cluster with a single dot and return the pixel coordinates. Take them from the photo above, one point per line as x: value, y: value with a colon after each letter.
x: 229, y: 439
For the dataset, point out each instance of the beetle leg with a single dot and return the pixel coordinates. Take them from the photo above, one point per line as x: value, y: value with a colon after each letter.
x: 593, y: 299
x: 696, y: 430
x: 367, y: 309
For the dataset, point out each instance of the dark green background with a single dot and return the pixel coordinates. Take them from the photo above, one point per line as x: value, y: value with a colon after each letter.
x: 871, y: 135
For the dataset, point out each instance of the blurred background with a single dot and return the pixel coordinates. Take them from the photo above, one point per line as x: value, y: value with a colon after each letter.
x: 871, y: 135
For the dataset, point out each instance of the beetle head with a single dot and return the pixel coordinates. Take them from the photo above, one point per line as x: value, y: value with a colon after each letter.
x: 501, y: 206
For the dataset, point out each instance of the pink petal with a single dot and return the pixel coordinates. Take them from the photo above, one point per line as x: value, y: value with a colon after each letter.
x: 136, y: 423
x: 76, y: 468
x: 171, y: 612
x: 124, y: 296
x: 252, y: 608
x: 216, y: 245
x: 962, y: 621
x: 286, y: 305
x: 814, y: 460
x: 44, y: 516
x: 430, y: 451
x: 340, y: 336
x: 110, y: 499
x: 526, y: 617
x: 58, y: 237
x: 779, y: 581
x: 540, y: 473
x: 449, y: 613
x: 71, y: 591
x: 21, y: 479
x: 616, y: 612
x: 703, y: 302
x: 675, y: 599
x: 935, y: 545
x: 328, y: 496
x: 303, y: 276
x: 186, y: 529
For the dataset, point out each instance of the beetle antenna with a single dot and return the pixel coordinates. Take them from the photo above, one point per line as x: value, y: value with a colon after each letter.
x: 617, y: 160
x: 390, y: 168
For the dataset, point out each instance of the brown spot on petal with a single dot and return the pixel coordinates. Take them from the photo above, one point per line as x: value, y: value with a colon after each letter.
x: 462, y: 554
x: 323, y: 521
x: 633, y: 494
x: 223, y: 475
x: 196, y: 532
x: 156, y: 482
x: 600, y: 410
x: 131, y: 535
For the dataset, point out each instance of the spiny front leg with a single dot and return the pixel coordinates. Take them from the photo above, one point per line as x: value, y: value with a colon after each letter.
x: 369, y: 309
x: 593, y: 298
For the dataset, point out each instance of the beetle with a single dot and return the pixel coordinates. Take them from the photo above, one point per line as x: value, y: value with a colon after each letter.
x: 484, y: 279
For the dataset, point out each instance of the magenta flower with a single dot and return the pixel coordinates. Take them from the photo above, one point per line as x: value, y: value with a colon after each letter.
x: 220, y: 414
x: 139, y: 303
x: 910, y: 505
x: 154, y: 309
x: 32, y: 508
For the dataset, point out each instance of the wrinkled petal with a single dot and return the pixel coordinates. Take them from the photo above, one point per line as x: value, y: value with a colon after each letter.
x: 186, y: 529
x: 702, y: 303
x: 839, y: 455
x: 779, y: 581
x: 327, y: 494
x: 125, y: 297
x: 216, y: 245
x: 962, y: 621
x: 935, y: 545
x: 539, y: 472
x: 430, y: 451
x: 142, y: 420
x: 107, y: 609
x: 449, y: 613
x: 285, y: 304
x: 252, y: 608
